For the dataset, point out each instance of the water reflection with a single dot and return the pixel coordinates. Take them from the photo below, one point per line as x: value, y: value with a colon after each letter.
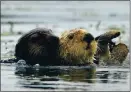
x: 112, y: 76
x: 51, y: 77
x: 68, y: 77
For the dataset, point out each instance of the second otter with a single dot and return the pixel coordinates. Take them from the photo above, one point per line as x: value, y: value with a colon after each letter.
x: 77, y: 47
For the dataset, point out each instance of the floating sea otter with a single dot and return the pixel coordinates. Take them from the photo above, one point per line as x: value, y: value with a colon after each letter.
x: 74, y: 47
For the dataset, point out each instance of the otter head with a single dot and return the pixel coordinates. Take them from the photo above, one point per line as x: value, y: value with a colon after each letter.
x: 37, y: 46
x: 77, y: 46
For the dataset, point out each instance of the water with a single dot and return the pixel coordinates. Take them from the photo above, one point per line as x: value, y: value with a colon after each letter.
x: 65, y: 78
x: 61, y: 16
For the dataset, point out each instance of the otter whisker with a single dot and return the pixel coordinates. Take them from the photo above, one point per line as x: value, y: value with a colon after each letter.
x: 35, y: 49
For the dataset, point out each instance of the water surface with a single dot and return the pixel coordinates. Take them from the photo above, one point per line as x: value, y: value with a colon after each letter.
x: 65, y: 78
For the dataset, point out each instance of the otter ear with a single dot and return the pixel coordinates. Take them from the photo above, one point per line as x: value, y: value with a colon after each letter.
x: 70, y: 36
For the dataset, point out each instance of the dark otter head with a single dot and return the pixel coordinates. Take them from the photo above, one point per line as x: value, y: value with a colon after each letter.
x: 37, y: 46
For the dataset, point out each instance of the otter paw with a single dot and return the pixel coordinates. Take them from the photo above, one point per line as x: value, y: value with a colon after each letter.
x: 118, y: 54
x: 108, y: 36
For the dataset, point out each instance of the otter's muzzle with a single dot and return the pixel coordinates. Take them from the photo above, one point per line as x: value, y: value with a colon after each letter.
x: 88, y: 38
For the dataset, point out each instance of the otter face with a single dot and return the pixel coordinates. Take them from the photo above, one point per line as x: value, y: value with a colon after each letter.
x: 40, y: 42
x: 78, y: 46
x: 36, y: 44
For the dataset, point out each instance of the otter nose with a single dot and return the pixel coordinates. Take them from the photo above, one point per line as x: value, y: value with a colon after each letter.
x: 88, y: 38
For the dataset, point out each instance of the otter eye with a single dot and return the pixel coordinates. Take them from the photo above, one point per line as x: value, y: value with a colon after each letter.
x: 70, y: 36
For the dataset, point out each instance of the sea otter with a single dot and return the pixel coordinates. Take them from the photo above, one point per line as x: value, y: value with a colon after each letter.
x: 39, y: 45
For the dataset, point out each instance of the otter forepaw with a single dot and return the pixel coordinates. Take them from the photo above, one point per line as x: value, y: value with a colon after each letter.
x: 118, y: 54
x: 107, y: 37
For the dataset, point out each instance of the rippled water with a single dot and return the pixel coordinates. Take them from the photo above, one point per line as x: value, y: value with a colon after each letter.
x: 67, y: 78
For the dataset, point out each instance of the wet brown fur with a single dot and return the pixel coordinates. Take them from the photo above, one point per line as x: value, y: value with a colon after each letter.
x: 73, y: 48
